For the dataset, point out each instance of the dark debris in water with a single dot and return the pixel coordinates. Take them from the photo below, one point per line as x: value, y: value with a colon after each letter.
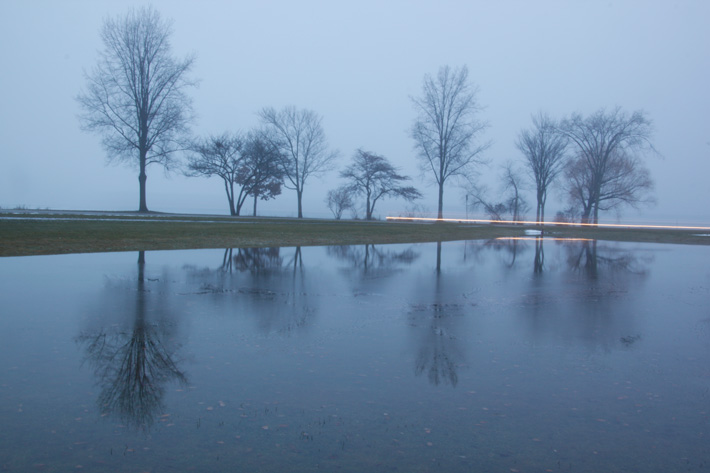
x: 629, y: 340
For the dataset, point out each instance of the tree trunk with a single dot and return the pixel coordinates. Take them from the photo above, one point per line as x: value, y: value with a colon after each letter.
x: 229, y: 187
x: 142, y: 206
x: 441, y: 201
x: 299, y: 194
x: 255, y: 196
x: 539, y: 213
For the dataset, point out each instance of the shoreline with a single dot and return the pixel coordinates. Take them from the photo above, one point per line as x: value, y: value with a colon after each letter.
x: 48, y: 232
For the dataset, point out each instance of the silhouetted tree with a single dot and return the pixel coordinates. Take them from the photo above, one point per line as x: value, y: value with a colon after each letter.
x: 625, y: 181
x: 374, y: 177
x: 339, y: 200
x: 544, y: 149
x: 479, y: 199
x: 135, y: 96
x: 446, y: 128
x: 260, y: 174
x: 607, y: 170
x: 515, y: 203
x: 300, y: 140
x: 219, y: 156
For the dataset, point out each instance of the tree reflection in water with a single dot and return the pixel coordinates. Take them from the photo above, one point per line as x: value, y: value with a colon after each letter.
x: 595, y: 280
x: 134, y: 360
x: 253, y: 260
x: 439, y: 352
x: 539, y: 261
x: 262, y: 283
x: 373, y: 261
x: 591, y: 258
x: 508, y: 250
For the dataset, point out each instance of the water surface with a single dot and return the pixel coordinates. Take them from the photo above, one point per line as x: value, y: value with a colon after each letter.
x: 467, y: 356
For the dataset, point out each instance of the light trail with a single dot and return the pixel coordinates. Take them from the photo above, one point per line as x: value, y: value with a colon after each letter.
x: 541, y: 237
x: 553, y: 224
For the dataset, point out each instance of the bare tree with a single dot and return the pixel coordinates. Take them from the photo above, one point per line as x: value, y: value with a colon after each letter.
x: 219, y: 156
x: 374, y: 177
x: 260, y: 174
x: 626, y: 181
x: 479, y: 199
x: 607, y: 170
x: 298, y: 136
x: 512, y: 184
x: 544, y: 149
x: 513, y: 202
x: 339, y: 200
x: 135, y: 96
x: 446, y: 128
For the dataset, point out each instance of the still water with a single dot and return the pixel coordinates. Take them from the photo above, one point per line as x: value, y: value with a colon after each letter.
x: 464, y: 356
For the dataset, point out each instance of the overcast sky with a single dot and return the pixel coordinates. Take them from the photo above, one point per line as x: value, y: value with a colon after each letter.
x: 357, y: 64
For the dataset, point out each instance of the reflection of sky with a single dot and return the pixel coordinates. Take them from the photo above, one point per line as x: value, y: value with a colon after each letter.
x: 341, y: 351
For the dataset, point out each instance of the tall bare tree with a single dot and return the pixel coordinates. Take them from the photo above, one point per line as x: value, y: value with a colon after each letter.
x: 374, y: 177
x: 135, y: 96
x: 299, y: 137
x: 608, y: 170
x: 544, y: 150
x: 446, y: 129
x: 220, y: 156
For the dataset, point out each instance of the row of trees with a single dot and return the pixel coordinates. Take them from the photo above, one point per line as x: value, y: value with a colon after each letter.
x: 136, y: 99
x: 287, y: 150
x: 597, y: 159
x: 600, y: 156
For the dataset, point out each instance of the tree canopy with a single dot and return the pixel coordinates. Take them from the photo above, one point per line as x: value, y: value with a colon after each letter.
x: 374, y: 177
x: 446, y: 129
x: 299, y: 138
x: 607, y: 170
x: 136, y: 95
x: 544, y: 150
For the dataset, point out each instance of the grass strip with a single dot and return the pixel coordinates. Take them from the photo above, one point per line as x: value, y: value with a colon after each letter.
x: 44, y: 234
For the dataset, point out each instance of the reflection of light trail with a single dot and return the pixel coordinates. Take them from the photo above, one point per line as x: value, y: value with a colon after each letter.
x: 556, y: 224
x: 532, y: 238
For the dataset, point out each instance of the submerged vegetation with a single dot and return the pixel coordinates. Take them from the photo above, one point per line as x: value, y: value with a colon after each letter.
x: 26, y: 234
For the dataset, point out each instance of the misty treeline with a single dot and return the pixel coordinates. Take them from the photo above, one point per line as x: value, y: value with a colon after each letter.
x: 596, y: 161
x: 136, y: 98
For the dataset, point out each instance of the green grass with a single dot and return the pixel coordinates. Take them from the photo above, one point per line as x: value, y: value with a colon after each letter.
x: 43, y: 234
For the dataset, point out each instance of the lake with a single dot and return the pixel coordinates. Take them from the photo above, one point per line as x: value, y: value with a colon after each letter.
x: 507, y: 355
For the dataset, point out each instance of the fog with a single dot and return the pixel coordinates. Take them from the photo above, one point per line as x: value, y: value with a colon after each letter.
x: 357, y: 64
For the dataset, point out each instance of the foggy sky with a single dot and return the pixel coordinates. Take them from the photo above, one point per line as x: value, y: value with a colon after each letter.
x: 357, y: 64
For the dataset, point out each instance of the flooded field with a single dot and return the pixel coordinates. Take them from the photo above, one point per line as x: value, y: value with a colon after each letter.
x: 509, y: 355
